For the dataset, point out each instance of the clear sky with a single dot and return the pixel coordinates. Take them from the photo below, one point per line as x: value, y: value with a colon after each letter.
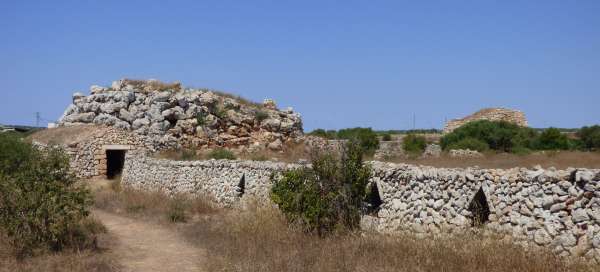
x: 339, y: 63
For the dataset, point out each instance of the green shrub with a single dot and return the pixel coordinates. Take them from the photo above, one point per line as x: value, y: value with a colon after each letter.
x: 188, y: 155
x: 470, y: 143
x: 366, y: 137
x: 414, y: 144
x: 386, y: 137
x: 329, y: 195
x: 221, y: 154
x: 590, y: 137
x: 201, y: 119
x: 41, y: 207
x: 260, y: 116
x: 327, y: 134
x: 552, y: 139
x: 498, y: 135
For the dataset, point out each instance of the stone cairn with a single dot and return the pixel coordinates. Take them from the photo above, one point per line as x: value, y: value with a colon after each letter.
x: 191, y: 117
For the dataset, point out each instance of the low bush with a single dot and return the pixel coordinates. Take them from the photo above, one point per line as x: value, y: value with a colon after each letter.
x: 470, y: 143
x: 590, y: 137
x: 329, y: 195
x: 177, y: 210
x: 260, y: 116
x: 41, y: 206
x: 386, y: 137
x: 221, y: 154
x: 327, y: 134
x: 552, y: 139
x: 414, y: 144
x: 366, y: 137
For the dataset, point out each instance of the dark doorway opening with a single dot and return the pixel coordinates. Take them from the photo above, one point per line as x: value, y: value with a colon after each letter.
x: 373, y: 199
x: 115, y: 160
x: 480, y: 211
x: 241, y: 189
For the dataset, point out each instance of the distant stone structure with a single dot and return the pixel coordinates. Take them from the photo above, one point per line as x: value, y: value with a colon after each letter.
x: 490, y: 114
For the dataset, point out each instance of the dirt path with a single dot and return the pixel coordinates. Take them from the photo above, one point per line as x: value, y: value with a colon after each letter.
x: 144, y: 246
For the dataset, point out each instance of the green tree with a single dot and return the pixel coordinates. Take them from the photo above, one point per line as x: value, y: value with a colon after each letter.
x: 552, y: 139
x: 590, y: 136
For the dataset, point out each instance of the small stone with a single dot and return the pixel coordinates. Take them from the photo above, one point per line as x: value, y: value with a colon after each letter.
x: 558, y: 207
x: 567, y: 240
x: 580, y: 215
x: 541, y: 237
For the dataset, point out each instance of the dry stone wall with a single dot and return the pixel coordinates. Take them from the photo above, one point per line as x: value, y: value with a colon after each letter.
x: 225, y: 181
x: 559, y: 209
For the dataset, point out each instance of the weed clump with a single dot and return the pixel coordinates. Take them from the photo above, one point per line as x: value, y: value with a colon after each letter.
x: 221, y: 154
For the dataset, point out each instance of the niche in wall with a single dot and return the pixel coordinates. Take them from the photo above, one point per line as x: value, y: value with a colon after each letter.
x: 479, y: 208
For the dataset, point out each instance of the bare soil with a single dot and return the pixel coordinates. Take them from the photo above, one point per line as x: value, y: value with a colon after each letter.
x: 145, y: 246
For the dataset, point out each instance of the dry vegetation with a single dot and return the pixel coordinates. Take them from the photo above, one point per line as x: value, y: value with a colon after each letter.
x: 110, y: 197
x: 557, y: 159
x: 90, y: 259
x: 259, y: 239
x: 153, y: 85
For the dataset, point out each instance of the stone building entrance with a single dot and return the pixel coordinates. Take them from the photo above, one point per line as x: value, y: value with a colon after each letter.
x: 111, y: 165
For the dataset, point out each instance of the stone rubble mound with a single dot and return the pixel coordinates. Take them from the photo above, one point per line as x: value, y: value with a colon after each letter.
x: 192, y: 117
x: 490, y: 114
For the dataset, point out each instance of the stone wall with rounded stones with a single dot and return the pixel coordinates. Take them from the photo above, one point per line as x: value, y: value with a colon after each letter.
x: 559, y: 209
x: 218, y: 179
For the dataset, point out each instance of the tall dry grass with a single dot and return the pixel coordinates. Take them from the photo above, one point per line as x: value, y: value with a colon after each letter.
x: 147, y: 204
x: 261, y: 240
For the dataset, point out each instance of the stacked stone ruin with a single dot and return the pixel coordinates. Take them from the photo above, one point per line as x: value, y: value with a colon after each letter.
x: 490, y: 114
x: 169, y: 114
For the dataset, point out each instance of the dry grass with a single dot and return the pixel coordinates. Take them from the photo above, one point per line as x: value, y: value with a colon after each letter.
x: 152, y: 85
x: 559, y: 160
x: 292, y: 153
x: 86, y: 258
x: 239, y: 99
x: 65, y: 135
x: 260, y: 240
x: 154, y: 205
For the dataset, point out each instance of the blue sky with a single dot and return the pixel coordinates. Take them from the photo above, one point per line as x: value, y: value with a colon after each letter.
x: 339, y: 63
